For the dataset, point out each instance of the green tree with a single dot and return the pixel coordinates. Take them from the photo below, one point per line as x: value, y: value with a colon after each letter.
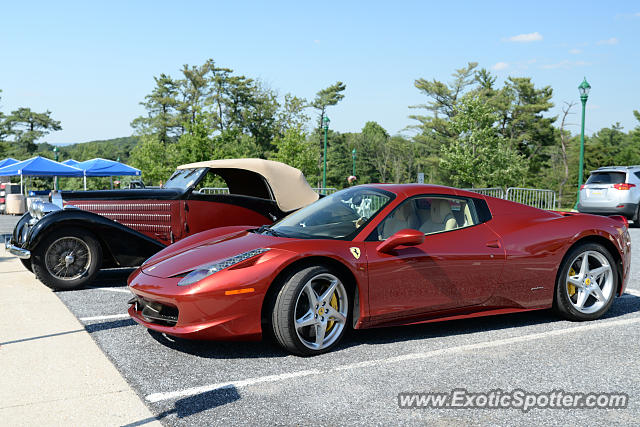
x: 154, y: 159
x: 434, y: 128
x: 375, y: 153
x: 479, y: 156
x: 27, y: 127
x: 162, y: 118
x: 195, y: 145
x: 327, y: 97
x: 294, y: 149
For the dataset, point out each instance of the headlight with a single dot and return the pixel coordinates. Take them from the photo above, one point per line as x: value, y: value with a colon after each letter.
x: 208, y: 269
x: 38, y: 209
x: 35, y: 208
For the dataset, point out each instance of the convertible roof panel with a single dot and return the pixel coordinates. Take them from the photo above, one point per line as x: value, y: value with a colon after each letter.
x: 288, y: 184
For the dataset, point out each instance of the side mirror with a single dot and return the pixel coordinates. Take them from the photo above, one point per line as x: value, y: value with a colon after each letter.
x: 406, y: 237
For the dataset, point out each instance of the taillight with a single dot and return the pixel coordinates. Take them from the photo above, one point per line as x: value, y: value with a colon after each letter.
x: 582, y: 187
x: 1, y: 200
x: 623, y: 186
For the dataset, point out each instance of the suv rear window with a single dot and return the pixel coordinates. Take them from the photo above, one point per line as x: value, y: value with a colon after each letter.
x: 607, y: 178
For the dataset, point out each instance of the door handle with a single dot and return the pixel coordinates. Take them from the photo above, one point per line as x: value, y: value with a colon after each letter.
x: 494, y: 244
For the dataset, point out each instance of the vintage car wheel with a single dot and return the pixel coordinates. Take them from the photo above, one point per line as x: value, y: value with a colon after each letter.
x: 587, y: 283
x: 311, y: 312
x: 27, y: 264
x: 67, y: 259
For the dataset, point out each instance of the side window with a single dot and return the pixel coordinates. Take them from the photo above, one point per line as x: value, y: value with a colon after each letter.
x: 637, y: 174
x: 429, y: 214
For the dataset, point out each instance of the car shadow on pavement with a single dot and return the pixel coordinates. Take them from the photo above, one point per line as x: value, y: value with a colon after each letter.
x: 103, y: 326
x: 622, y: 306
x: 114, y: 277
x: 221, y: 349
x: 202, y: 402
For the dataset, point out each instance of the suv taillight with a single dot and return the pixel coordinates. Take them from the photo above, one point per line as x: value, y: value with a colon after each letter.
x: 623, y: 186
x: 582, y: 187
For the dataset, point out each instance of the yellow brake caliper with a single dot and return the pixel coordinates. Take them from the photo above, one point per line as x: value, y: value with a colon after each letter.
x: 333, y: 303
x: 571, y: 288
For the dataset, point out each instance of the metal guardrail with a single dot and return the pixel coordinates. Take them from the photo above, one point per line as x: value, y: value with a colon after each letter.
x: 225, y: 190
x: 214, y: 190
x: 541, y: 199
x: 538, y: 198
x: 493, y: 191
x: 325, y: 191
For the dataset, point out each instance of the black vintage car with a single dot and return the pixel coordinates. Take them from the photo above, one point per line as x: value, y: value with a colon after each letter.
x: 67, y: 241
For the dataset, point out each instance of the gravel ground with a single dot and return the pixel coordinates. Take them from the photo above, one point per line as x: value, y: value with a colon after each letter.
x: 359, y: 382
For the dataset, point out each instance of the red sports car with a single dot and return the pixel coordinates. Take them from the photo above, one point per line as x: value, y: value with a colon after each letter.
x: 378, y: 255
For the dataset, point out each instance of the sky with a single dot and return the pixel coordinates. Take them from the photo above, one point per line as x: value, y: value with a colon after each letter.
x: 92, y: 63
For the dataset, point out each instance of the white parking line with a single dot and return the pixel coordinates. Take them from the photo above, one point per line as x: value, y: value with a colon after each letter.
x: 158, y: 397
x: 633, y: 292
x: 126, y: 291
x: 109, y: 317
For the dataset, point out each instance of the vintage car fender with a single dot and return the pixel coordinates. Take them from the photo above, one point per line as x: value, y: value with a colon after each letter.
x: 122, y: 246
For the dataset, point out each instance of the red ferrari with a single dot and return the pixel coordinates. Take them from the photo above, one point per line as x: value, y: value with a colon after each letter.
x: 379, y: 255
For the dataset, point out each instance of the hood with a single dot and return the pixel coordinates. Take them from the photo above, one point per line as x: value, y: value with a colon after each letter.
x: 209, y: 251
x: 133, y: 194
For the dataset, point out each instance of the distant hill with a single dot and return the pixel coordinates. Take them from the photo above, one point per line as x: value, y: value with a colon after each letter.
x: 108, y: 149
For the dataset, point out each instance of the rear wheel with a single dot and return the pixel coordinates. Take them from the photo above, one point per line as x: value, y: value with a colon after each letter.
x: 587, y: 283
x: 67, y: 259
x: 311, y: 311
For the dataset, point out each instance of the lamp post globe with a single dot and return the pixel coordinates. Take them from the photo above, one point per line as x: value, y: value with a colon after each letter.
x: 584, y: 89
x: 353, y: 155
x: 325, y: 125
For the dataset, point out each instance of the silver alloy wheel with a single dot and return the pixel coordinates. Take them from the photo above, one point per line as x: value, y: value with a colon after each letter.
x: 592, y: 284
x: 68, y: 258
x: 321, y: 311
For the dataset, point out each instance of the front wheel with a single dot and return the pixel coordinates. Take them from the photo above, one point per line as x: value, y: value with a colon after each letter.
x: 311, y: 311
x: 67, y: 259
x: 587, y: 283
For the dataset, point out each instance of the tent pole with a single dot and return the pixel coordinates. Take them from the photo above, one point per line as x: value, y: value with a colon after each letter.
x: 21, y: 186
x: 85, y: 182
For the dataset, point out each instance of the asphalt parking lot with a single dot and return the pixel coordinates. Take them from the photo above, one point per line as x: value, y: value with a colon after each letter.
x: 203, y: 383
x: 189, y: 383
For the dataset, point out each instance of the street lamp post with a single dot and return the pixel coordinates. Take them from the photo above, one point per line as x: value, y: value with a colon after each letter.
x: 55, y: 178
x: 325, y: 125
x: 584, y: 89
x: 353, y: 154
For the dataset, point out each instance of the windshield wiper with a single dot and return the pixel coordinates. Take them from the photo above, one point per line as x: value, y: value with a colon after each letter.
x: 266, y: 229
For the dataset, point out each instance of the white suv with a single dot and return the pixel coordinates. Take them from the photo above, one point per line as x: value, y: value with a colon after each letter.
x: 612, y: 190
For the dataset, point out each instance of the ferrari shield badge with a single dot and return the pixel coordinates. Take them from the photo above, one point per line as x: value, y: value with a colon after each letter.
x: 355, y: 251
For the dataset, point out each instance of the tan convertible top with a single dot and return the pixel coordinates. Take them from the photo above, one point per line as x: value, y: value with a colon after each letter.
x: 288, y: 184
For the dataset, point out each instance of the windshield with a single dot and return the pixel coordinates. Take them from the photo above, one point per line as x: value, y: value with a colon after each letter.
x: 338, y: 216
x: 606, y: 178
x: 184, y: 178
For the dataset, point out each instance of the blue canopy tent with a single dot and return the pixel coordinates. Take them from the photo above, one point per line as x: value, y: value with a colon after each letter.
x: 39, y: 166
x: 70, y: 162
x: 104, y: 167
x: 8, y: 161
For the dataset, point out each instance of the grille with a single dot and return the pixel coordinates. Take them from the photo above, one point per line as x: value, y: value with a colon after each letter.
x: 155, y: 312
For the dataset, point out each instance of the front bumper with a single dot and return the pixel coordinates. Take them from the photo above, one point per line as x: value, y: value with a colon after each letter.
x: 17, y: 251
x: 627, y: 210
x: 193, y: 313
